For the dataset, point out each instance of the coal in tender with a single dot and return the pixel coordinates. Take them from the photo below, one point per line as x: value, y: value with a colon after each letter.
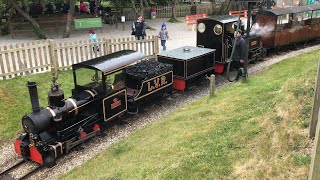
x: 147, y: 69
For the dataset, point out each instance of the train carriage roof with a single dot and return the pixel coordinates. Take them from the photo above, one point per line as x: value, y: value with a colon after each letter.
x: 223, y: 18
x: 112, y: 62
x: 290, y: 10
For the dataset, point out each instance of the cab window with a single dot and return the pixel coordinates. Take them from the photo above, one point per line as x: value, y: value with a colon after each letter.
x: 115, y: 81
x: 88, y: 78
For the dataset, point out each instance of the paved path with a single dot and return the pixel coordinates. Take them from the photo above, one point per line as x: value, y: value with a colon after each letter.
x: 179, y: 36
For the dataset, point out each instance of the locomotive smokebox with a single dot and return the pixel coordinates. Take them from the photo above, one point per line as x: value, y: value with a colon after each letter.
x: 33, y: 92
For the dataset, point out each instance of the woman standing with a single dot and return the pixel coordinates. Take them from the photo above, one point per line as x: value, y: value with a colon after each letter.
x: 139, y: 28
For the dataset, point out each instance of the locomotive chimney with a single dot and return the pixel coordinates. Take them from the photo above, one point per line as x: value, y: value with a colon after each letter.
x: 33, y: 92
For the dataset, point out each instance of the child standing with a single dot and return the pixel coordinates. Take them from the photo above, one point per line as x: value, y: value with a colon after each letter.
x: 93, y: 40
x: 163, y: 35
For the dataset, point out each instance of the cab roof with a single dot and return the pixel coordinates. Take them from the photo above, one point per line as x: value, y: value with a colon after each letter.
x: 224, y: 19
x: 111, y: 62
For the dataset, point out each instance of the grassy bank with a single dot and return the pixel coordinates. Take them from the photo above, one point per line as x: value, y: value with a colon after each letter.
x: 252, y: 130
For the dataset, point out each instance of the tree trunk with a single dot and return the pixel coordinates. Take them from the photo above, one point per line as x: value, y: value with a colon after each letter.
x: 10, y: 28
x: 141, y: 8
x: 226, y: 9
x: 134, y: 7
x: 214, y: 6
x: 39, y: 33
x: 174, y: 12
x: 67, y: 30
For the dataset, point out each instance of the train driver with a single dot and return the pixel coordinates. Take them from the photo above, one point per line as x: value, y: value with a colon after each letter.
x: 239, y: 52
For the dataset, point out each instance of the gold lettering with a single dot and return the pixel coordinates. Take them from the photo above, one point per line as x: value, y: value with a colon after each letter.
x: 163, y: 80
x: 149, y: 87
x: 157, y: 83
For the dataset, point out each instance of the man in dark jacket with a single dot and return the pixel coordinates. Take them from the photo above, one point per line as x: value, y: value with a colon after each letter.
x: 139, y: 28
x: 239, y: 52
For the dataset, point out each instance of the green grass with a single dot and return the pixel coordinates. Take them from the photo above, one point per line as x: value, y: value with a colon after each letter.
x: 252, y: 130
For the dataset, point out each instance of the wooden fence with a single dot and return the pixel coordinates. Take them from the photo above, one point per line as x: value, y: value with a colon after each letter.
x: 40, y: 56
x: 166, y: 11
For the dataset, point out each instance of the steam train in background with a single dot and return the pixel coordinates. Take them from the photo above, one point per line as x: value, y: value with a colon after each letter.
x: 112, y: 85
x: 271, y: 29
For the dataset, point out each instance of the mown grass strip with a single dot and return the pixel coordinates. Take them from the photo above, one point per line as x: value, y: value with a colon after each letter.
x: 252, y: 130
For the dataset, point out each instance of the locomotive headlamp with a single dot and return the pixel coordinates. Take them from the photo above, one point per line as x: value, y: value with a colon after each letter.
x: 201, y: 27
x: 217, y: 29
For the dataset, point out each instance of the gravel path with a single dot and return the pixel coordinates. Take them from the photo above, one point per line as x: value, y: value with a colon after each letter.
x: 151, y: 112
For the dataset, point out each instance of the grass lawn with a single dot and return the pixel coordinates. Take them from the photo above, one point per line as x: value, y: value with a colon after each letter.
x: 252, y: 130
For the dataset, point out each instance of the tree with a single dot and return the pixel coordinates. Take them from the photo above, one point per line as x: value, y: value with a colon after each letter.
x: 36, y: 27
x: 213, y: 3
x: 67, y: 30
x: 174, y: 11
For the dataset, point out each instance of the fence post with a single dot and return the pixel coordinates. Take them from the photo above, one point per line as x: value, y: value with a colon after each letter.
x: 315, y: 107
x: 53, y: 60
x: 212, y: 84
x: 109, y: 46
x: 314, y: 172
x: 156, y: 51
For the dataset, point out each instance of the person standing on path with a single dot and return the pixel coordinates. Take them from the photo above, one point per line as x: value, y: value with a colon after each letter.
x: 163, y: 35
x: 139, y: 28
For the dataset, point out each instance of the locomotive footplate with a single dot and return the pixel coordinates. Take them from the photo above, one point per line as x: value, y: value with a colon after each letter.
x: 147, y: 80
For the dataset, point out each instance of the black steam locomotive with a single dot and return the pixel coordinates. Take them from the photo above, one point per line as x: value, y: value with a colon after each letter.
x: 104, y: 88
x: 110, y: 86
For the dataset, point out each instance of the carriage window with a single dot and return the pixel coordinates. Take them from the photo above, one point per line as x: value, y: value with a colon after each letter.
x: 283, y: 19
x: 307, y: 15
x: 315, y: 14
x: 297, y: 17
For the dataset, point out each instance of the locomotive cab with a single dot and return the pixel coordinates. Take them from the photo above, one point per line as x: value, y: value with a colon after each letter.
x: 105, y: 77
x: 217, y: 33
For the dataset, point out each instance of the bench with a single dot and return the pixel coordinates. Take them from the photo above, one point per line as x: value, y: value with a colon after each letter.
x: 192, y: 20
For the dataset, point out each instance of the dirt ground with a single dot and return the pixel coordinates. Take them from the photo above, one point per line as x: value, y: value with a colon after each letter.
x: 178, y: 34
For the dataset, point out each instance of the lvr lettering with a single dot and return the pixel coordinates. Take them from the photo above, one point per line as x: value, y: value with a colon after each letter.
x: 157, y: 83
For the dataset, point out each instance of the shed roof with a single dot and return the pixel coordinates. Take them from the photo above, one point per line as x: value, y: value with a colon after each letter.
x: 111, y: 62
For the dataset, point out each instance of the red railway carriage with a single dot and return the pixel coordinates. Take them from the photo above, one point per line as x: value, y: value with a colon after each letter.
x: 285, y: 26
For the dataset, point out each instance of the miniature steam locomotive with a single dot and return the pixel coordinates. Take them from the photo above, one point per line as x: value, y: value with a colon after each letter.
x: 104, y: 88
x: 110, y: 86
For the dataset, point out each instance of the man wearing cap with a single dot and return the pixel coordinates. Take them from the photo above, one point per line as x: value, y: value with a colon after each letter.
x: 163, y: 35
x: 240, y: 51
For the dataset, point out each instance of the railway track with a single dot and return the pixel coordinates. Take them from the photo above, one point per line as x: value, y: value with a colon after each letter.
x: 6, y: 173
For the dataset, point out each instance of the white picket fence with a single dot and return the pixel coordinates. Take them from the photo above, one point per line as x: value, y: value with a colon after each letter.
x: 40, y: 56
